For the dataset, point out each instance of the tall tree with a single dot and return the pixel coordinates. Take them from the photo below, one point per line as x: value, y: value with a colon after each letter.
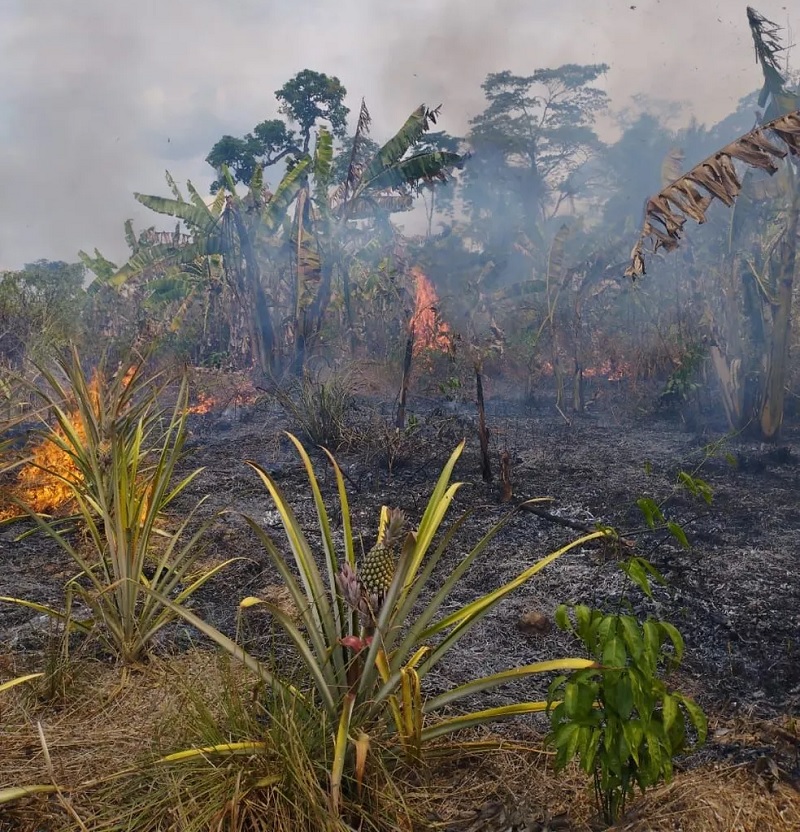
x: 529, y: 144
x: 306, y: 100
x: 40, y: 309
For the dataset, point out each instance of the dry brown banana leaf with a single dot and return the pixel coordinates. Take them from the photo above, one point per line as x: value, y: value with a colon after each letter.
x: 717, y: 176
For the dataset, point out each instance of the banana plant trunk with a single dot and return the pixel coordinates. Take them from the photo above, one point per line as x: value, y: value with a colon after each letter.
x: 739, y: 347
x: 775, y: 382
x: 260, y: 318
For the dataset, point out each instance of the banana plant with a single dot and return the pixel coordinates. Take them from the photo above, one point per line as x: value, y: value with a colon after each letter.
x: 689, y: 196
x: 229, y: 230
x: 388, y: 179
x: 367, y: 676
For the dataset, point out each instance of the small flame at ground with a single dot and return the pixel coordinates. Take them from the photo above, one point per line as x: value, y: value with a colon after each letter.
x: 240, y: 393
x: 430, y: 331
x: 205, y: 404
x: 39, y: 483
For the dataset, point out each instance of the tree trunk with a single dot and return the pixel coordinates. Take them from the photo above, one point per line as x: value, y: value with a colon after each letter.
x: 578, y: 402
x: 400, y: 421
x: 775, y: 382
x: 299, y: 349
x: 483, y: 431
x: 738, y: 352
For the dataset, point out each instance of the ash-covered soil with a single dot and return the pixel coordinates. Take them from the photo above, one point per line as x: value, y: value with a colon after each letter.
x: 735, y: 596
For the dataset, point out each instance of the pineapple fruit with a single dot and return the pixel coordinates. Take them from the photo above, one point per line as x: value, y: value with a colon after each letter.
x: 377, y: 569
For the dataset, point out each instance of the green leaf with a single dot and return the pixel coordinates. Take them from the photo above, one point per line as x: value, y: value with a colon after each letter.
x: 592, y: 747
x: 323, y: 167
x: 291, y: 184
x: 632, y: 635
x: 565, y: 740
x: 677, y: 639
x: 407, y: 136
x: 636, y: 572
x: 614, y: 653
x: 555, y: 686
x: 678, y: 533
x: 460, y: 723
x: 652, y: 642
x: 669, y: 712
x: 488, y: 682
x: 423, y: 167
x: 81, y: 626
x: 697, y: 717
x: 634, y: 734
x: 583, y: 618
x: 464, y: 619
x: 232, y: 648
x: 197, y: 217
x: 562, y: 617
x: 651, y: 511
x: 619, y: 696
x: 166, y: 256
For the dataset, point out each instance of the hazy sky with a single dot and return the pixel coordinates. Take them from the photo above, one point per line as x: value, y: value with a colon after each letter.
x: 98, y: 97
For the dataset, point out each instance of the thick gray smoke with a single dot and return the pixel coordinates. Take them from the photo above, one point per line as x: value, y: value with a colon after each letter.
x: 98, y: 97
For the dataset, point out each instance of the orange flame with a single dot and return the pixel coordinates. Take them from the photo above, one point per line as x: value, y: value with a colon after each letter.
x: 241, y: 394
x: 39, y: 483
x: 430, y: 331
x: 205, y: 404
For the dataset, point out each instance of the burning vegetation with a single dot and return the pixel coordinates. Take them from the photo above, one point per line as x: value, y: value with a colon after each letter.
x: 45, y: 483
x: 611, y: 419
x: 430, y: 332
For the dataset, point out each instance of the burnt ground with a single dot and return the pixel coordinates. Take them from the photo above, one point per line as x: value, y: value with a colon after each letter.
x: 735, y: 596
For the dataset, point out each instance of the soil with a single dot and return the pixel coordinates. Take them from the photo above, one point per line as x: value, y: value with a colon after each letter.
x: 735, y: 595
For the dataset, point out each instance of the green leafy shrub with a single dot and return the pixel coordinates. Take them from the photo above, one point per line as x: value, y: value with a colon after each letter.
x: 682, y: 383
x: 620, y: 719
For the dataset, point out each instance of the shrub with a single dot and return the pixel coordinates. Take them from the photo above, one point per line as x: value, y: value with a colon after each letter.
x: 620, y: 719
x: 320, y: 407
x: 254, y: 763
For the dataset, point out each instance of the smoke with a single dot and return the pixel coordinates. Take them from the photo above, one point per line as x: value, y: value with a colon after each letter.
x: 97, y: 98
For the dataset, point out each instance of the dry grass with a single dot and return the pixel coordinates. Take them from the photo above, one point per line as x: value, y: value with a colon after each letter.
x: 111, y: 720
x: 727, y: 799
